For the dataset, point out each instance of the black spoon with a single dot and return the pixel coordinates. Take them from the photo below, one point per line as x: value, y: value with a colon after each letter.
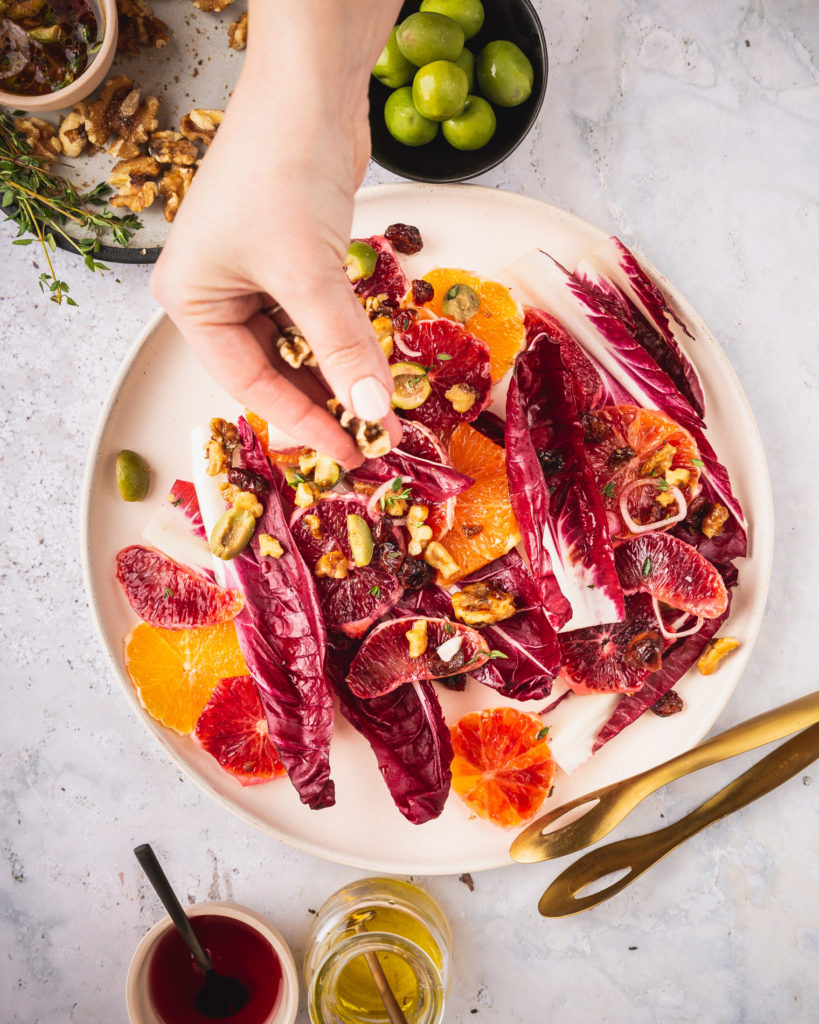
x: 219, y: 996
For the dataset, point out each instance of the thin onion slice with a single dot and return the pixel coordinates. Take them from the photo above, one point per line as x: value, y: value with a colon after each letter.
x: 634, y: 527
x: 372, y: 505
x: 671, y: 634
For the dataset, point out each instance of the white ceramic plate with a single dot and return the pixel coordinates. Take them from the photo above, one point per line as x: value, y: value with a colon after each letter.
x: 161, y: 392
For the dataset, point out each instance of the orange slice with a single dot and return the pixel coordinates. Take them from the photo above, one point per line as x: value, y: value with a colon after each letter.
x: 259, y: 428
x: 503, y: 768
x: 498, y: 321
x: 484, y: 526
x: 175, y: 671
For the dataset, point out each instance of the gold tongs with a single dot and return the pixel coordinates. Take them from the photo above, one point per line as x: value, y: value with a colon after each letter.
x: 610, y: 805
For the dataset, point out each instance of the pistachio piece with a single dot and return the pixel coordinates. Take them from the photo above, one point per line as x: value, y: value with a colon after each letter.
x: 361, y: 540
x: 360, y: 261
x: 232, y: 533
x: 133, y: 475
x: 411, y: 386
x: 460, y: 303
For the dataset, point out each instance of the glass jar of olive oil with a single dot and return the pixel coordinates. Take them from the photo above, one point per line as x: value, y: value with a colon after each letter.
x: 410, y: 939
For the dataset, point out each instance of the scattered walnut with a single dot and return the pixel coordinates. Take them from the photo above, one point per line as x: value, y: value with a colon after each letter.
x: 462, y: 397
x: 307, y: 461
x: 230, y: 492
x: 173, y: 187
x: 212, y: 6
x: 481, y: 603
x: 714, y: 520
x: 200, y: 125
x: 99, y: 122
x: 677, y: 477
x: 41, y: 136
x: 659, y: 462
x: 436, y: 555
x: 269, y: 547
x: 715, y: 651
x: 172, y: 148
x: 382, y: 325
x: 224, y: 431
x: 420, y: 535
x: 377, y: 305
x: 333, y: 564
x: 134, y: 180
x: 249, y: 501
x: 132, y: 123
x: 306, y: 494
x: 237, y: 33
x: 138, y: 26
x: 73, y: 135
x: 294, y: 349
x: 313, y: 524
x: 371, y: 439
x: 417, y: 637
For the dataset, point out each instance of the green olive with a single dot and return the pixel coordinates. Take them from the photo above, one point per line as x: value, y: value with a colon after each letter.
x: 392, y: 68
x: 232, y: 533
x: 133, y: 476
x: 460, y: 303
x: 360, y: 261
x: 361, y: 540
x: 404, y: 122
x: 473, y: 127
x: 468, y: 14
x: 467, y: 62
x: 505, y: 73
x: 439, y: 90
x: 411, y: 386
x: 326, y: 472
x: 425, y: 37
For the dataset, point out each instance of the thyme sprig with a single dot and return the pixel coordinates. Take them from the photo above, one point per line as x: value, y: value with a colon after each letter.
x: 42, y: 203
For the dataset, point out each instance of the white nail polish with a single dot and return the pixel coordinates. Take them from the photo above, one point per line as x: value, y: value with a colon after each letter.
x: 370, y: 399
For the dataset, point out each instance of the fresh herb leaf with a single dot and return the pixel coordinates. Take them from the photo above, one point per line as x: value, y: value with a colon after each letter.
x: 698, y: 463
x: 176, y: 501
x: 375, y: 591
x: 494, y: 655
x: 661, y: 484
x: 396, y: 484
x: 544, y: 732
x: 449, y: 629
x: 608, y: 490
x: 647, y: 564
x: 443, y: 357
x: 167, y: 592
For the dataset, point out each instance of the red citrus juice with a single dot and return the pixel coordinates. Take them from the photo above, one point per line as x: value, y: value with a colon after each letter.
x: 236, y: 949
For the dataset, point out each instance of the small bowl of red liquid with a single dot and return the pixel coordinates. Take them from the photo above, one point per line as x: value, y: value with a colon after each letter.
x: 163, y: 980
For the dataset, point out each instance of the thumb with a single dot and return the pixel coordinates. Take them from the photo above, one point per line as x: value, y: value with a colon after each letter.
x: 344, y: 344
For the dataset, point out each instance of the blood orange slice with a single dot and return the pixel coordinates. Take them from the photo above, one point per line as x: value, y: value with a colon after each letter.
x: 457, y: 368
x: 388, y: 279
x: 673, y: 572
x: 631, y: 452
x: 502, y: 768
x: 360, y: 595
x: 497, y: 321
x: 233, y: 729
x: 176, y: 671
x: 484, y: 526
x: 165, y: 593
x: 614, y: 658
x: 383, y: 663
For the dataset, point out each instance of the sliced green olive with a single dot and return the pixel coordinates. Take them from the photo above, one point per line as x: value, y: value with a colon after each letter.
x: 361, y: 540
x: 133, y: 476
x: 411, y: 386
x: 326, y: 472
x: 461, y: 303
x: 232, y: 533
x: 50, y: 34
x: 360, y: 261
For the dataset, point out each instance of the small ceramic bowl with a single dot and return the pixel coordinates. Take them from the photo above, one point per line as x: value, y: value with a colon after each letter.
x: 137, y: 1000
x: 515, y: 20
x: 88, y: 80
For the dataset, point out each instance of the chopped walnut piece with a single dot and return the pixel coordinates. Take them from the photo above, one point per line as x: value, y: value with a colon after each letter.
x: 715, y: 651
x: 134, y: 180
x: 73, y: 136
x: 269, y: 547
x: 677, y: 477
x: 132, y: 123
x: 294, y: 349
x: 230, y: 492
x: 333, y: 564
x: 659, y: 462
x: 306, y: 494
x: 382, y: 325
x: 420, y: 535
x: 237, y: 33
x: 138, y: 27
x: 41, y: 136
x: 313, y: 524
x: 417, y: 637
x: 481, y: 603
x: 212, y: 6
x: 371, y: 439
x: 200, y: 125
x: 249, y: 501
x: 173, y: 187
x: 99, y: 122
x: 461, y: 396
x: 714, y: 520
x: 224, y: 431
x: 172, y: 148
x: 436, y: 555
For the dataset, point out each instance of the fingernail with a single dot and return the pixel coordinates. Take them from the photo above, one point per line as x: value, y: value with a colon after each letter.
x: 370, y: 399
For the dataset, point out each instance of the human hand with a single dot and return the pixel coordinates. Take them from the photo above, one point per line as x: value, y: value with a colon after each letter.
x: 268, y: 219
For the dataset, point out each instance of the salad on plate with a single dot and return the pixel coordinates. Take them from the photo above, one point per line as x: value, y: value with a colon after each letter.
x: 554, y: 525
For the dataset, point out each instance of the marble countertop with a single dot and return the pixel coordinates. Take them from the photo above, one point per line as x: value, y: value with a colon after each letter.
x: 690, y: 129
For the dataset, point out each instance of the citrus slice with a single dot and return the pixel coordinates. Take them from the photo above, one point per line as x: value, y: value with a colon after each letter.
x: 259, y: 428
x: 483, y: 526
x: 176, y: 671
x: 497, y: 321
x: 502, y: 768
x: 233, y: 729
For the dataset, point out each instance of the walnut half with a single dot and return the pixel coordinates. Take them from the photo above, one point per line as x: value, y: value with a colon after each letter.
x: 135, y: 183
x: 173, y: 187
x: 237, y: 33
x: 41, y: 136
x: 172, y: 148
x: 371, y: 439
x: 73, y: 135
x: 200, y: 125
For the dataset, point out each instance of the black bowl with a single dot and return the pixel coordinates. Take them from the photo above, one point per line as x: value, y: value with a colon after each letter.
x: 515, y: 20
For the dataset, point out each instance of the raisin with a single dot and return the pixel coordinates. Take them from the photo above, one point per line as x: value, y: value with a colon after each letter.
x: 439, y: 667
x: 698, y: 509
x: 382, y: 530
x: 422, y: 291
x: 457, y: 683
x: 405, y: 238
x: 471, y: 529
x: 403, y: 319
x: 669, y: 704
x: 387, y: 557
x: 595, y: 429
x: 246, y: 480
x: 620, y: 456
x: 550, y: 461
x: 415, y: 574
x: 645, y: 650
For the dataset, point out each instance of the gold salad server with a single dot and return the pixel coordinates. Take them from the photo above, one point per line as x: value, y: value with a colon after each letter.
x: 609, y: 805
x: 637, y: 854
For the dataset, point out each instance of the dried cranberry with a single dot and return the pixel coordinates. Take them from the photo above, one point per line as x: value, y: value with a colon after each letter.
x: 645, y: 650
x: 669, y: 704
x: 439, y: 667
x: 550, y: 461
x: 246, y: 480
x: 382, y: 530
x: 595, y: 429
x: 620, y: 456
x: 388, y: 557
x: 403, y: 319
x: 422, y: 291
x: 471, y: 529
x: 457, y: 683
x: 415, y: 574
x: 405, y: 238
x: 698, y: 509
